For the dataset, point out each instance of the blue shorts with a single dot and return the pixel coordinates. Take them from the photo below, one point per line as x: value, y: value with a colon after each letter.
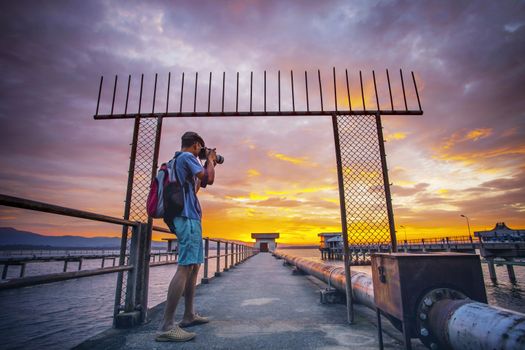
x: 189, y: 240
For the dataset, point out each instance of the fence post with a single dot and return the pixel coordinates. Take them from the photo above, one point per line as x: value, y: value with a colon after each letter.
x: 135, y: 307
x: 232, y: 256
x: 218, y: 255
x: 205, y: 279
x: 225, y: 256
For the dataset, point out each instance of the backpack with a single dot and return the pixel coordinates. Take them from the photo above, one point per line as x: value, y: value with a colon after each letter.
x: 166, y: 196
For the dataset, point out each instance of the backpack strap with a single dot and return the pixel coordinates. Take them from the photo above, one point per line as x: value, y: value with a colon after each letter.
x: 174, y: 164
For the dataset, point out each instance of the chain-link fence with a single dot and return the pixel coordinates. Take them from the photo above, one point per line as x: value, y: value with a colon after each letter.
x: 363, y: 185
x: 141, y: 182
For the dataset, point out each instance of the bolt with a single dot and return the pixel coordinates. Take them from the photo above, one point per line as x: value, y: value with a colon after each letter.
x: 428, y: 301
x: 424, y: 332
x: 433, y: 346
x: 423, y: 316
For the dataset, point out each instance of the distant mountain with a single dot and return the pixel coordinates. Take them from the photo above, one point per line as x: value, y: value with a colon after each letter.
x: 12, y: 237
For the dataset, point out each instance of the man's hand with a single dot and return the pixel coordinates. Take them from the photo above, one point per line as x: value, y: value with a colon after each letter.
x: 212, y: 156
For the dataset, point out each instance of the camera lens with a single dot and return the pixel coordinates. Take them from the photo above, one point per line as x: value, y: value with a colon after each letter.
x: 220, y: 159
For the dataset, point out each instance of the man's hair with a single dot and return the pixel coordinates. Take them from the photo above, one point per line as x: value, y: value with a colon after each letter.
x: 189, y: 138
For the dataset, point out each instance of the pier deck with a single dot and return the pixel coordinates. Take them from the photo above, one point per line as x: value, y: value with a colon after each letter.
x: 259, y: 304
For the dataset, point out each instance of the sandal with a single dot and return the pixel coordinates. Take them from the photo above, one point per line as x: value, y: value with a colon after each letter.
x: 176, y: 334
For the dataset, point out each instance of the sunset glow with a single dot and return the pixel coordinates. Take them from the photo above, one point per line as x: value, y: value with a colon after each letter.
x: 465, y: 155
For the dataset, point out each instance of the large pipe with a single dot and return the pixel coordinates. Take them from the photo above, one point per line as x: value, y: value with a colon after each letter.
x: 455, y: 324
x: 465, y: 324
x: 362, y: 287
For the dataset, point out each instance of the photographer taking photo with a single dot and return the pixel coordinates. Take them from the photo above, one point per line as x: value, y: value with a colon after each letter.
x: 188, y: 229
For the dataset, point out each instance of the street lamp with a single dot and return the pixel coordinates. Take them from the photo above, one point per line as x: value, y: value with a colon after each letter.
x: 468, y: 224
x: 404, y: 229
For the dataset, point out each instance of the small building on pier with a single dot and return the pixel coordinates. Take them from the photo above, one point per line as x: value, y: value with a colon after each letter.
x: 501, y: 233
x: 331, y: 245
x: 265, y: 242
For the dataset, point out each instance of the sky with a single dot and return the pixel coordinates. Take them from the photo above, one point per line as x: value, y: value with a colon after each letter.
x: 464, y: 156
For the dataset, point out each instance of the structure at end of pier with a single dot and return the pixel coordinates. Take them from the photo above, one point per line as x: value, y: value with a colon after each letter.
x: 265, y: 242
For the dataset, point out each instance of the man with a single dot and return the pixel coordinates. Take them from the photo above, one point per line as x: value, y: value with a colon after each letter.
x: 187, y: 227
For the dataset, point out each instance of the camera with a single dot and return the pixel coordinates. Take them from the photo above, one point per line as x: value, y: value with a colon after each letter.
x: 203, y: 154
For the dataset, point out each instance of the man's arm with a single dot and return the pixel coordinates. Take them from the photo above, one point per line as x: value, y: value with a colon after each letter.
x: 210, y: 168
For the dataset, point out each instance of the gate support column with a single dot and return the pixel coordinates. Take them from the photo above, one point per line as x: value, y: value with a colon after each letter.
x: 348, y: 278
x: 386, y: 182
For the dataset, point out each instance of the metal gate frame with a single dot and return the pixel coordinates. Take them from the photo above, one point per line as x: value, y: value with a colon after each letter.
x: 146, y: 142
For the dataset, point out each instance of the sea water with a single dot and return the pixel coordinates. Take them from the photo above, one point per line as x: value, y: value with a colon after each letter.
x: 63, y: 314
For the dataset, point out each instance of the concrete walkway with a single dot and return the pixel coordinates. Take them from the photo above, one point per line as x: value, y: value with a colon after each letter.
x: 259, y: 304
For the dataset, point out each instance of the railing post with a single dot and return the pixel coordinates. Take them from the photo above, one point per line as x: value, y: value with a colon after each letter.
x: 218, y: 255
x: 135, y: 308
x: 225, y: 256
x: 232, y: 255
x: 205, y: 279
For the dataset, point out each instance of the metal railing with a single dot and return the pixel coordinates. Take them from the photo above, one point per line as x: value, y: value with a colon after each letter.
x: 236, y: 254
x: 139, y: 259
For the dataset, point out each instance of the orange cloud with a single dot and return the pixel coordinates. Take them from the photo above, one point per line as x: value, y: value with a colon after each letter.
x: 285, y: 158
x: 396, y: 136
x: 253, y: 173
x: 476, y: 134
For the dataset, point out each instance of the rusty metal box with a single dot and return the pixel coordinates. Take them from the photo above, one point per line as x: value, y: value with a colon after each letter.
x: 401, y: 279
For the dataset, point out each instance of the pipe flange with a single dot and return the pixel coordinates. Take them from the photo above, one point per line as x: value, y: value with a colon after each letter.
x: 423, y: 311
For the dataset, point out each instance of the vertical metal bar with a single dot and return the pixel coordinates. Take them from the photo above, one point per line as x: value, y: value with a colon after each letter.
x: 293, y: 96
x: 168, y: 93
x: 390, y: 90
x: 279, y: 89
x: 140, y: 96
x: 99, y: 93
x: 209, y: 93
x: 127, y: 209
x: 114, y: 94
x: 154, y: 94
x: 362, y: 91
x: 344, y: 225
x: 127, y: 95
x: 181, y: 92
x: 225, y: 256
x: 417, y: 95
x: 306, y: 89
x: 143, y: 272
x: 386, y: 183
x: 320, y: 89
x: 265, y: 91
x: 335, y: 89
x: 403, y: 87
x: 223, y: 82
x: 237, y: 95
x: 218, y: 255
x: 23, y: 270
x: 206, y: 259
x: 348, y: 91
x: 195, y: 95
x: 251, y: 89
x: 375, y: 89
x: 232, y: 254
x: 132, y: 274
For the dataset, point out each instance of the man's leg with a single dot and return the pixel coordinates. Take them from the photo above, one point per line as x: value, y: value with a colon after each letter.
x: 189, y: 294
x: 177, y: 285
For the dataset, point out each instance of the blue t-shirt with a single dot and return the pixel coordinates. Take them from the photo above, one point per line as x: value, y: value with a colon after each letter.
x: 187, y: 166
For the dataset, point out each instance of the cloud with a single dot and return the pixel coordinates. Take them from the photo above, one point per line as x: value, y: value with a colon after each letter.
x: 465, y: 152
